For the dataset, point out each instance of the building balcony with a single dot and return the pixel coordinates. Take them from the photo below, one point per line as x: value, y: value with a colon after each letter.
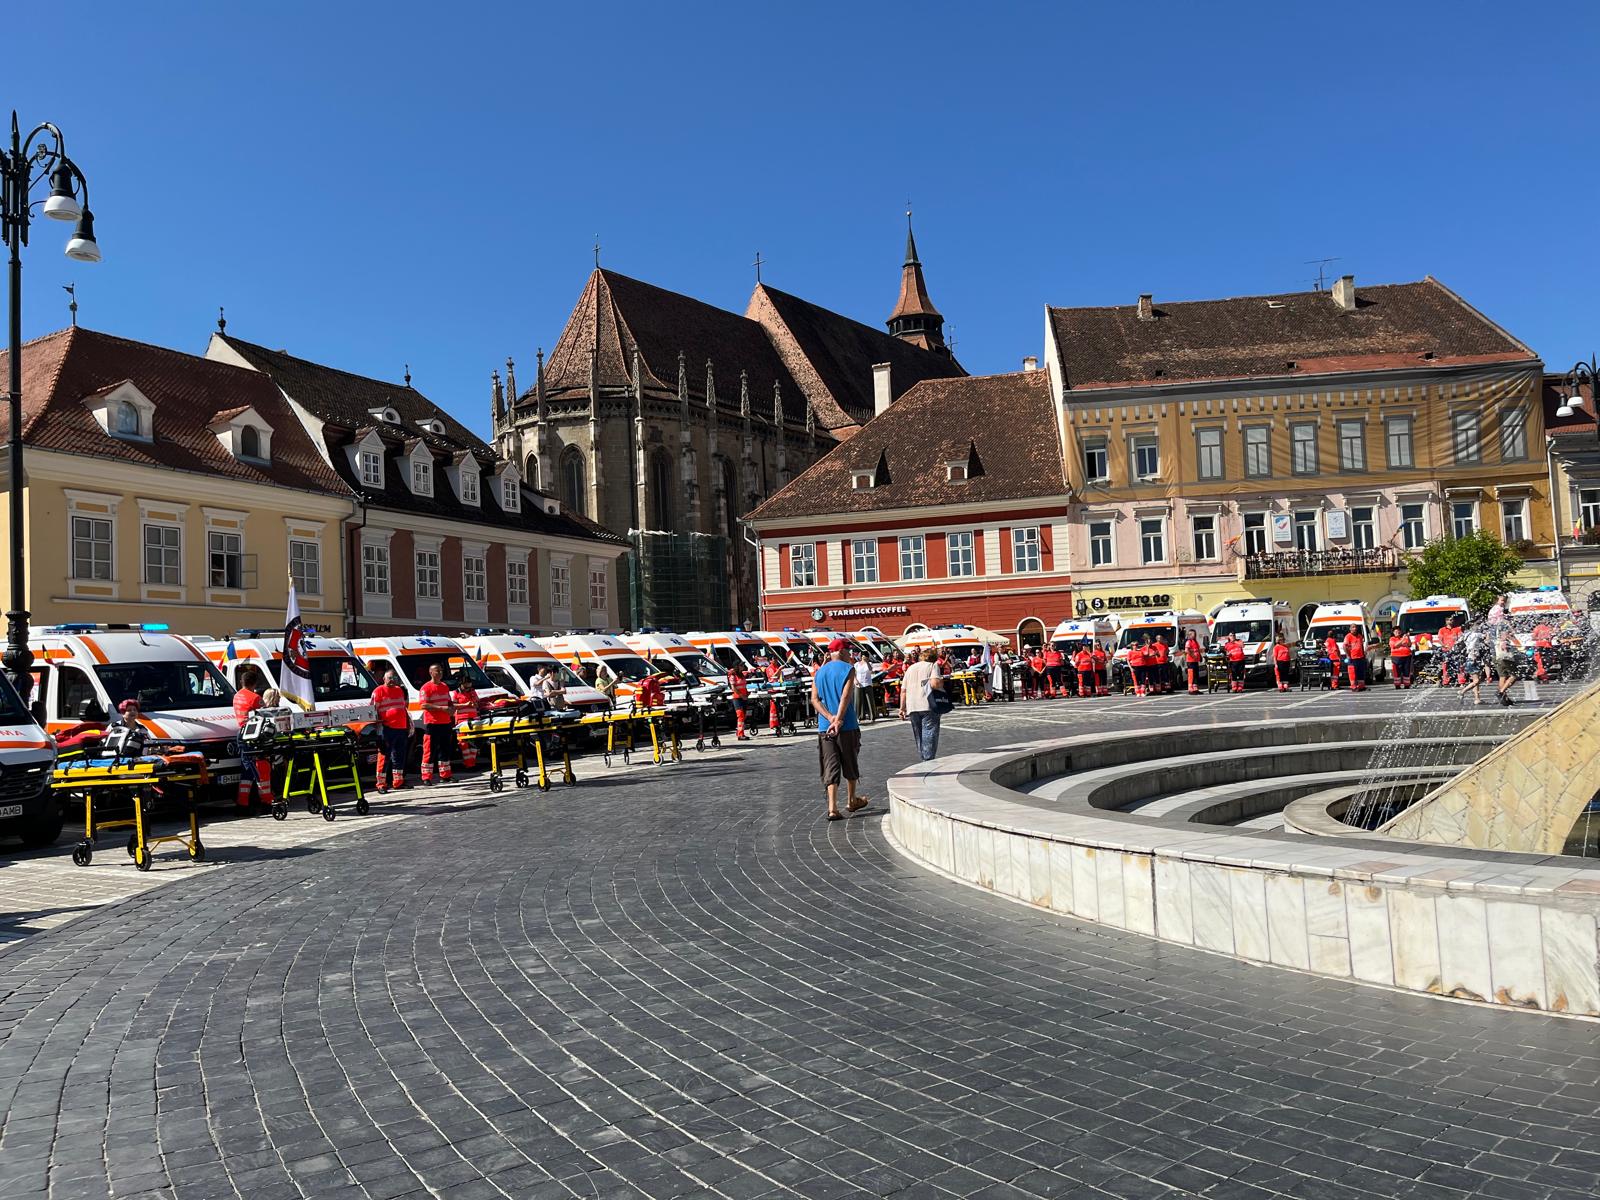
x: 1284, y: 564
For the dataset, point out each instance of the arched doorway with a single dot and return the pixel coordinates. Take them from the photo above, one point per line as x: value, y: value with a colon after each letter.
x: 1030, y: 632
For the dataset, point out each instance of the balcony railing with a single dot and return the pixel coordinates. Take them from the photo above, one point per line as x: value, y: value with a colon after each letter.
x: 1321, y: 562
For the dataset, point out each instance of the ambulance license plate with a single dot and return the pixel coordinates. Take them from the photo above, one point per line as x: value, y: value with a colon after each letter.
x: 228, y: 777
x: 10, y: 810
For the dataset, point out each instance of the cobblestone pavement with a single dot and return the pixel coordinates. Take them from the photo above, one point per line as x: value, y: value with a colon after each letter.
x: 682, y: 982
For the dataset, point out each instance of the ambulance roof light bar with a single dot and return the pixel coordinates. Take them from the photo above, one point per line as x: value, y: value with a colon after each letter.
x: 114, y: 627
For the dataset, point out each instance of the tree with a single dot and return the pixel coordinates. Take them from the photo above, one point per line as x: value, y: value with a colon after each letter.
x: 1477, y: 567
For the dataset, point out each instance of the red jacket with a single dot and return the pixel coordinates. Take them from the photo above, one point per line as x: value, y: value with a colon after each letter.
x: 465, y: 701
x: 1400, y: 646
x: 437, y: 708
x: 737, y: 684
x: 245, y: 702
x: 1354, y: 645
x: 392, y: 705
x: 1331, y: 649
x: 1053, y: 657
x: 1084, y: 661
x: 1191, y: 650
x: 1234, y: 649
x: 1280, y: 652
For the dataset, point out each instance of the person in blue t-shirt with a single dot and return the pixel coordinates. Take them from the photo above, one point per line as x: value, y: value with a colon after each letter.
x: 838, y: 732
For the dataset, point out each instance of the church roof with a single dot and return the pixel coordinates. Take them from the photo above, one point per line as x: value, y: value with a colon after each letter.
x: 1005, y: 425
x: 616, y: 313
x: 832, y: 356
x: 1392, y: 326
x: 913, y: 300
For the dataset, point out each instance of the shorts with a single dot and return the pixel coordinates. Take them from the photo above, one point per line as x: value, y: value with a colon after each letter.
x: 1505, y: 668
x: 839, y: 755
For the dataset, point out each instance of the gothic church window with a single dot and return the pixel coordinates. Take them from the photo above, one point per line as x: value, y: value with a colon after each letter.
x: 661, y: 486
x: 573, y: 491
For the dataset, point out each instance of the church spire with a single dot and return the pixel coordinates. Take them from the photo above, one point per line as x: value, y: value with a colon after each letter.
x: 914, y: 318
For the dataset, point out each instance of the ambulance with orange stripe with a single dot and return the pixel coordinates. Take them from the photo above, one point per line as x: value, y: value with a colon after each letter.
x: 28, y: 809
x: 82, y: 673
x: 341, y: 688
x: 411, y: 657
x: 613, y: 658
x: 512, y: 660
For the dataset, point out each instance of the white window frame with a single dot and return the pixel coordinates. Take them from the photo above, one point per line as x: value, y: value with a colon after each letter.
x: 427, y: 565
x: 1093, y: 447
x: 1258, y: 451
x: 561, y: 584
x: 375, y: 569
x: 422, y: 475
x: 213, y: 538
x: 1463, y: 526
x: 802, y: 564
x: 1352, y: 445
x: 1589, y: 507
x: 517, y: 581
x: 1304, y: 453
x: 961, y: 560
x: 370, y: 464
x: 1139, y: 444
x: 1466, y: 440
x: 1364, y: 532
x: 89, y: 533
x: 302, y: 581
x: 1256, y: 533
x: 474, y: 577
x: 913, y: 557
x: 864, y: 560
x: 1145, y: 536
x: 511, y: 492
x: 1307, y: 534
x: 1210, y: 461
x: 164, y: 527
x: 1399, y: 444
x: 469, y: 487
x: 1514, y: 519
x: 1107, y: 539
x: 1027, y: 550
x: 1513, y: 433
x: 599, y: 588
x: 1414, y: 529
x: 1203, y: 536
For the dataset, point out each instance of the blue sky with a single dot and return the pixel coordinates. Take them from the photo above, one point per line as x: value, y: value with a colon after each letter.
x: 372, y: 185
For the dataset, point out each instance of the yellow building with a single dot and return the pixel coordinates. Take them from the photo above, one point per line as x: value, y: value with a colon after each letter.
x: 1292, y: 446
x: 165, y: 488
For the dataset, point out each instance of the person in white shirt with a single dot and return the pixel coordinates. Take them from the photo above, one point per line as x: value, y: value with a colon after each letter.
x: 921, y: 680
x: 864, y: 700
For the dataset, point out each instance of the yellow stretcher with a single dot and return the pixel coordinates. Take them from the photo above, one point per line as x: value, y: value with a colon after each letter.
x: 327, y: 762
x: 512, y: 731
x: 99, y: 778
x: 664, y: 738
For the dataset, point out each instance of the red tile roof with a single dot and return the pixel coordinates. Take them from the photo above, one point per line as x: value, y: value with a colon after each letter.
x: 1392, y: 326
x: 62, y: 370
x: 1009, y: 420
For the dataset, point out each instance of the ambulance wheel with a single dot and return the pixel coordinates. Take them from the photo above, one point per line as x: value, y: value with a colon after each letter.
x: 133, y: 843
x: 496, y: 784
x: 81, y: 854
x: 197, y: 851
x: 141, y: 857
x: 362, y: 807
x: 280, y: 810
x: 329, y: 813
x: 522, y: 779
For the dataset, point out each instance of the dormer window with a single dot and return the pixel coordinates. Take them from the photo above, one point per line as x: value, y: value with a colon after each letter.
x: 250, y: 443
x: 511, y: 492
x: 371, y: 469
x: 127, y: 419
x: 422, y: 477
x: 955, y: 472
x: 244, y: 434
x: 123, y: 412
x: 469, y: 487
x: 387, y: 414
x: 861, y: 480
x: 432, y: 425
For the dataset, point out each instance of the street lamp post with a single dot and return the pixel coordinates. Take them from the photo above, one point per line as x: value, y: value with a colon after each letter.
x: 41, y: 156
x: 1571, y: 388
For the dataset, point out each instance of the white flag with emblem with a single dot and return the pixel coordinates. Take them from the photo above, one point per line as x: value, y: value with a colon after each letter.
x: 295, y: 684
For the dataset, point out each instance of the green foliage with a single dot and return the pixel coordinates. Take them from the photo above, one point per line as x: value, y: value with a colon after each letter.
x: 1478, y: 567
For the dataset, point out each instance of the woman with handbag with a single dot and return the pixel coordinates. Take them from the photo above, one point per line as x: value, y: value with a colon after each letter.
x: 924, y: 700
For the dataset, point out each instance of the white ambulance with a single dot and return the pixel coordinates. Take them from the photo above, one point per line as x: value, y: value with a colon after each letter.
x: 341, y: 687
x: 1255, y: 622
x: 1071, y: 636
x: 794, y: 651
x: 1423, y: 619
x: 1545, y: 605
x: 732, y: 648
x: 511, y: 661
x: 411, y: 657
x: 1171, y: 625
x: 960, y: 642
x: 82, y: 672
x: 1339, y: 617
x: 614, y: 660
x: 706, y: 682
x: 28, y: 809
x: 875, y: 642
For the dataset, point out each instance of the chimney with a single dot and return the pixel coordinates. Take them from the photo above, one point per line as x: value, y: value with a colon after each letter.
x: 882, y: 397
x: 1030, y: 362
x: 1147, y: 308
x: 1344, y: 292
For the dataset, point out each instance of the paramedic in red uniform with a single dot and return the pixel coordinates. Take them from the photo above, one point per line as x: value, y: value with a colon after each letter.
x: 1035, y: 682
x: 1330, y: 651
x: 438, y: 726
x: 1098, y: 653
x: 1444, y: 649
x: 1280, y: 663
x: 394, y: 728
x: 1162, y: 673
x: 740, y: 687
x: 1233, y: 651
x: 255, y: 774
x: 1400, y: 654
x: 465, y: 700
x: 1083, y: 660
x: 1054, y: 663
x: 1193, y: 656
x: 1355, y: 653
x: 1544, y: 639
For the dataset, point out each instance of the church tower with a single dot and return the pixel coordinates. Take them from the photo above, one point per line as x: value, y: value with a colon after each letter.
x: 914, y: 318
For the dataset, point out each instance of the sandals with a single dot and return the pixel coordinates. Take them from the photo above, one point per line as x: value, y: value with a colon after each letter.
x: 860, y: 803
x: 836, y: 816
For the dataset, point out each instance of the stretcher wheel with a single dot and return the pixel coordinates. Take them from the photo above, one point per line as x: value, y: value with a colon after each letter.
x: 81, y: 854
x: 544, y: 785
x: 280, y: 810
x: 522, y: 779
x: 133, y: 843
x: 570, y: 779
x: 496, y: 784
x: 329, y: 813
x: 363, y: 807
x: 197, y: 851
x: 607, y: 757
x: 141, y: 857
x: 312, y: 806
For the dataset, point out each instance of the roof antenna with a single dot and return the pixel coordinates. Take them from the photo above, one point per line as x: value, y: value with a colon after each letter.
x: 758, y: 262
x: 1321, y: 264
x: 222, y: 320
x: 71, y: 289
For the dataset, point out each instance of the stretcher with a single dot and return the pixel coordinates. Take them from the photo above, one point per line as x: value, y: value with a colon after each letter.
x: 510, y: 730
x: 783, y: 701
x: 326, y: 757
x: 134, y: 772
x: 971, y: 685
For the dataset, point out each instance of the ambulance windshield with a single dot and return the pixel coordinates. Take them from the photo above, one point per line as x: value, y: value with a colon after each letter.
x: 165, y: 686
x: 565, y: 676
x: 336, y: 678
x: 696, y: 663
x: 1427, y: 620
x: 416, y: 668
x: 1245, y: 631
x: 1135, y: 635
x: 628, y: 667
x: 12, y: 711
x: 1320, y: 633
